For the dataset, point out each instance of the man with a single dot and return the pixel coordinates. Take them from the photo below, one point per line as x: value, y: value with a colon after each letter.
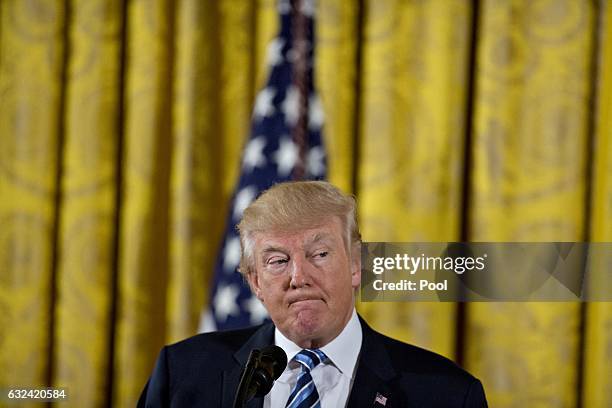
x: 301, y: 256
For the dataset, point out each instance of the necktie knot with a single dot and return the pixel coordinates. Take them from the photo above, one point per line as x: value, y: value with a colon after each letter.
x: 310, y: 358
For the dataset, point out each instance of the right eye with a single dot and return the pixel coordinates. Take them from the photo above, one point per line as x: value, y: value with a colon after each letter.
x: 275, y: 261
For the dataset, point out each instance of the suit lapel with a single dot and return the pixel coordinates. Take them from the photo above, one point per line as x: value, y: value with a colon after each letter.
x: 263, y: 337
x: 374, y: 370
x: 374, y: 373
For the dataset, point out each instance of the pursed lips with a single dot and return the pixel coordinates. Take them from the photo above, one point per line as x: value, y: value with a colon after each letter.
x: 298, y: 299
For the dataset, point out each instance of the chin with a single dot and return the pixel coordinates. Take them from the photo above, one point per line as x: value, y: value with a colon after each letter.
x: 308, y: 325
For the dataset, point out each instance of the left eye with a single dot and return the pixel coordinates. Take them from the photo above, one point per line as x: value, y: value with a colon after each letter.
x: 321, y: 254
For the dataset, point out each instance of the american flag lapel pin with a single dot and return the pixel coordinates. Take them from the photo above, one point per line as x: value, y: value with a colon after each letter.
x: 380, y: 400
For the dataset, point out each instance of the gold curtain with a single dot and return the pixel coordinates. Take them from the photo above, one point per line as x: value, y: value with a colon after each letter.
x: 121, y: 126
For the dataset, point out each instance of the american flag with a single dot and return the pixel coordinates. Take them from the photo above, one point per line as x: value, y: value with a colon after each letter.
x: 380, y: 399
x: 276, y: 151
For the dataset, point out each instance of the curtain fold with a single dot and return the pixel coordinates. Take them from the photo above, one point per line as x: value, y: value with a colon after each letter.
x: 529, y: 183
x: 596, y: 368
x: 32, y: 54
x: 143, y: 266
x: 121, y: 129
x: 336, y: 78
x: 87, y: 205
x: 413, y: 128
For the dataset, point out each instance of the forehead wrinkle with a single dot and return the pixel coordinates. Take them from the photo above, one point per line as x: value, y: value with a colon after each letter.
x: 284, y: 241
x: 319, y: 237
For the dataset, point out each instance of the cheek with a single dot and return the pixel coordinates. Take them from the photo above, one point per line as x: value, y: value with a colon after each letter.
x: 272, y: 290
x: 348, y: 282
x: 337, y: 285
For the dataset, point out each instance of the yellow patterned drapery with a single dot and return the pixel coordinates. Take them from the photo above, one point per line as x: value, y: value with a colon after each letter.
x: 121, y: 124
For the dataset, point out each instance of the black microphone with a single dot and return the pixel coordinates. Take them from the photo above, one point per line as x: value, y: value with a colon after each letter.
x: 262, y: 368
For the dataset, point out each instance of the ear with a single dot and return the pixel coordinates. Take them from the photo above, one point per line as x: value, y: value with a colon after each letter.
x: 253, y: 280
x: 356, y: 266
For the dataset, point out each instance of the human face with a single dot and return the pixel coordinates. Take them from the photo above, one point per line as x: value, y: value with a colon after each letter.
x: 306, y: 281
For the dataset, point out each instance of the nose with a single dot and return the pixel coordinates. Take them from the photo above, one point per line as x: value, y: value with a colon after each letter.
x: 300, y: 273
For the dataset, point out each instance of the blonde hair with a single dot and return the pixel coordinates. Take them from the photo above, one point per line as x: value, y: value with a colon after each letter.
x: 293, y: 206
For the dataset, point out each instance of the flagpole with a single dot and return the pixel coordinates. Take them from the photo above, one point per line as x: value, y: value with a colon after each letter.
x: 300, y: 81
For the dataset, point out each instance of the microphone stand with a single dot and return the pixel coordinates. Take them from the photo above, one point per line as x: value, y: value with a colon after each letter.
x: 245, y: 390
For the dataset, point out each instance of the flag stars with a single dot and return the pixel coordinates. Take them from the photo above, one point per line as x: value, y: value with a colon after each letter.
x: 225, y: 302
x: 275, y: 51
x: 291, y: 105
x: 231, y: 254
x: 256, y: 309
x: 243, y: 199
x: 284, y: 6
x: 315, y: 113
x: 286, y: 157
x: 315, y: 161
x: 308, y: 7
x: 253, y: 154
x: 263, y: 103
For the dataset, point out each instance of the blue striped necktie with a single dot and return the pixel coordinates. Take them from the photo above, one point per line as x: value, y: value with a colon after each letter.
x: 304, y: 394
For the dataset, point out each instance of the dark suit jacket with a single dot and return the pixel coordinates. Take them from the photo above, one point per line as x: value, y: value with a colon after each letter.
x: 204, y: 371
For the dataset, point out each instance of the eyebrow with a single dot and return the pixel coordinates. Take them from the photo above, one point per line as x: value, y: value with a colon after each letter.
x: 273, y: 249
x: 319, y: 237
